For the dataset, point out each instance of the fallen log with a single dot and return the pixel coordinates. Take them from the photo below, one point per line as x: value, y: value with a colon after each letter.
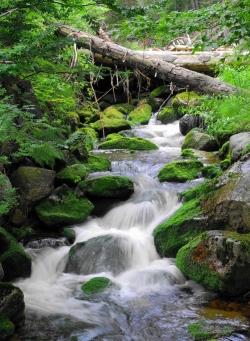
x: 150, y: 66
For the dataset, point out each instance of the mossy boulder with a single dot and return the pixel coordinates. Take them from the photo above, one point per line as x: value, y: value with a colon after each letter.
x: 238, y: 143
x: 185, y: 100
x: 141, y: 114
x: 180, y: 171
x: 91, y: 137
x: 73, y: 174
x: 159, y: 91
x: 69, y: 234
x: 11, y: 308
x: 124, y: 108
x: 219, y: 260
x: 212, y: 171
x: 64, y: 209
x: 78, y: 144
x: 167, y: 115
x: 184, y: 225
x: 97, y: 163
x: 120, y: 187
x: 7, y: 196
x: 96, y: 285
x: 15, y: 261
x: 130, y: 143
x: 197, y: 139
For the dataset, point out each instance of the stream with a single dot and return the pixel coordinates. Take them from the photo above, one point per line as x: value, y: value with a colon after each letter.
x: 151, y: 299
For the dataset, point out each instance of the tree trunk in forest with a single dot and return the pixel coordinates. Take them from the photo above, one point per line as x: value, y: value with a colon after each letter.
x: 152, y: 67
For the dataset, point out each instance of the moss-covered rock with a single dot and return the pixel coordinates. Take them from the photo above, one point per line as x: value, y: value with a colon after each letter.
x: 219, y: 260
x: 185, y: 100
x: 130, y: 143
x: 238, y: 143
x: 167, y: 115
x: 7, y: 196
x: 97, y: 163
x: 15, y: 262
x: 73, y: 174
x: 64, y: 209
x: 189, y: 153
x: 184, y: 225
x: 96, y: 285
x: 69, y: 234
x: 196, y: 139
x: 210, y: 331
x: 180, y: 171
x: 110, y: 186
x: 124, y: 108
x: 189, y: 122
x: 141, y: 114
x: 78, y: 145
x: 212, y: 171
x: 91, y: 137
x: 35, y: 183
x: 7, y: 328
x: 159, y: 91
x: 11, y: 304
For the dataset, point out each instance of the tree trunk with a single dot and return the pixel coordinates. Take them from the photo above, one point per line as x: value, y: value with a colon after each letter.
x: 150, y: 66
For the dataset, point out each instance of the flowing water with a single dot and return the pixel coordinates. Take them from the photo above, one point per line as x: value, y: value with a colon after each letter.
x: 151, y: 299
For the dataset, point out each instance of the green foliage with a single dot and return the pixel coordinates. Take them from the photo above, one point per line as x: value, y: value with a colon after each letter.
x: 73, y: 174
x: 97, y: 163
x: 8, y: 197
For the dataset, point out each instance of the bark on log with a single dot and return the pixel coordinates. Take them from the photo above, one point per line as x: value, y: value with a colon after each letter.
x: 150, y: 66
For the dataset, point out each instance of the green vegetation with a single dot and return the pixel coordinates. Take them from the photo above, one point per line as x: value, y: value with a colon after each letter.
x: 180, y: 171
x: 130, y: 143
x: 7, y: 195
x: 185, y: 101
x: 167, y: 115
x: 188, y: 154
x: 141, y: 114
x: 109, y: 187
x: 73, y: 174
x: 202, y: 331
x: 212, y: 171
x: 96, y: 285
x: 70, y: 209
x: 96, y: 163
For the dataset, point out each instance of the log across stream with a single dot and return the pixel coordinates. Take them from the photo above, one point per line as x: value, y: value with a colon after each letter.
x: 151, y: 299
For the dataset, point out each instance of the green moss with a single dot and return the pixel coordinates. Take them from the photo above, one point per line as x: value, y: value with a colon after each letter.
x: 185, y: 100
x: 79, y: 144
x: 7, y: 195
x: 16, y: 263
x: 69, y: 234
x: 197, y: 139
x: 246, y: 150
x: 73, y: 174
x: 96, y: 163
x: 224, y: 150
x: 197, y: 270
x: 178, y: 230
x: 188, y: 154
x: 212, y: 171
x: 159, y: 91
x: 130, y: 143
x: 141, y: 114
x: 167, y: 115
x: 113, y: 112
x: 90, y: 137
x: 124, y: 108
x: 180, y: 171
x: 202, y: 331
x: 96, y: 285
x: 70, y: 209
x: 113, y: 136
x: 109, y: 186
x: 198, y: 192
x: 110, y: 125
x: 7, y: 328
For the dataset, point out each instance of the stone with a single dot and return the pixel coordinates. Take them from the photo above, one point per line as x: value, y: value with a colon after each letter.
x: 196, y: 139
x: 167, y: 115
x: 141, y: 114
x: 238, y: 143
x: 35, y: 183
x: 188, y: 122
x: 219, y: 260
x: 185, y: 100
x: 181, y: 171
x: 110, y: 186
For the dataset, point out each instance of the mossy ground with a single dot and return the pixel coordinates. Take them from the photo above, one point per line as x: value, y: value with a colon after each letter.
x: 96, y: 285
x: 180, y: 171
x: 69, y: 210
x: 130, y: 143
x: 141, y: 114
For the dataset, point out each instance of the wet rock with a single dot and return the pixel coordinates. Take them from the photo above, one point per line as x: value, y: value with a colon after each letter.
x: 120, y: 187
x: 238, y: 143
x: 196, y: 139
x: 219, y: 260
x: 100, y: 254
x: 35, y: 183
x: 1, y: 272
x: 180, y: 171
x: 63, y: 208
x: 130, y: 143
x: 11, y: 308
x: 15, y: 262
x: 229, y: 204
x: 188, y: 122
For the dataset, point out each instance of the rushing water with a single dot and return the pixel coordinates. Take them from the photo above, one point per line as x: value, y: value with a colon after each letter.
x: 151, y: 299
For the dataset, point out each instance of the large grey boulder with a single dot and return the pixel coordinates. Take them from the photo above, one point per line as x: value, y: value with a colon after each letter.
x: 188, y: 122
x: 219, y: 260
x: 238, y: 143
x: 196, y: 139
x: 229, y: 204
x: 35, y: 183
x: 106, y: 253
